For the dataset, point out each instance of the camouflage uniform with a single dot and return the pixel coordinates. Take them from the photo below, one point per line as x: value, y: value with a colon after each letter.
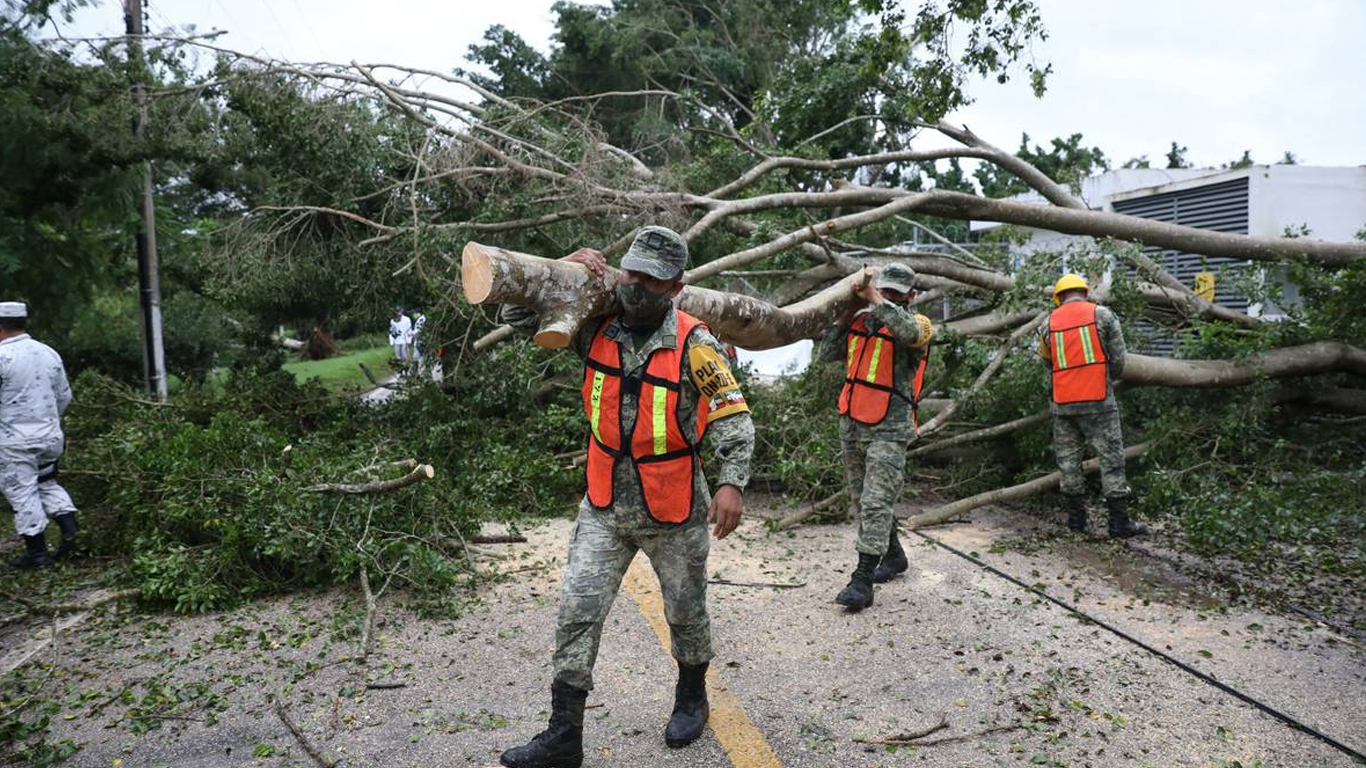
x: 1077, y: 424
x: 33, y: 395
x: 606, y: 540
x: 875, y: 454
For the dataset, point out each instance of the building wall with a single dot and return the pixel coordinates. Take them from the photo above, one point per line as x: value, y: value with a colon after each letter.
x: 1331, y: 201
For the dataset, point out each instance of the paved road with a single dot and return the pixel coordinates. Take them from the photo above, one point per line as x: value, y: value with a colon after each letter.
x: 1018, y: 680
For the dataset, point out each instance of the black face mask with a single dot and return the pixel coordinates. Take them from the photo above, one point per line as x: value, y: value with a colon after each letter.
x: 904, y: 302
x: 641, y: 307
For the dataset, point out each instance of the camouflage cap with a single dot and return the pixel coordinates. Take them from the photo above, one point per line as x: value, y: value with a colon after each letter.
x: 897, y: 277
x: 658, y: 252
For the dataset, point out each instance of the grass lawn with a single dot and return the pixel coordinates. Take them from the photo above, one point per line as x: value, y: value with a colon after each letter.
x: 343, y: 371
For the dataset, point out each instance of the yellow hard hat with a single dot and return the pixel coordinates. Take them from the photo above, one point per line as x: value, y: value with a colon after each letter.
x: 1069, y: 282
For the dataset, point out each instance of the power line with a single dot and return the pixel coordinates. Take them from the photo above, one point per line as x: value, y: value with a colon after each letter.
x: 1181, y: 665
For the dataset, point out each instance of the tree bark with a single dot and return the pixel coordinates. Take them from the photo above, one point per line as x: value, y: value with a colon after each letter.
x: 1305, y: 360
x: 800, y: 516
x: 986, y: 433
x: 956, y: 205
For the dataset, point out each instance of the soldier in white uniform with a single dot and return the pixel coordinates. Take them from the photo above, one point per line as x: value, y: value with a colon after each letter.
x: 34, y: 394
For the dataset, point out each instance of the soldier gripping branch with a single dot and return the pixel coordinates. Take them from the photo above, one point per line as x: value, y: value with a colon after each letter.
x: 885, y: 349
x: 34, y: 394
x: 1084, y: 347
x: 655, y: 382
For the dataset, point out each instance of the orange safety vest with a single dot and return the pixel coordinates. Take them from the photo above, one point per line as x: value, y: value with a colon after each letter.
x: 868, y: 377
x: 1079, y: 370
x: 660, y: 448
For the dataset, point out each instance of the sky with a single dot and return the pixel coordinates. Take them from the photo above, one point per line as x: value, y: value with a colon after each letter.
x: 1219, y: 76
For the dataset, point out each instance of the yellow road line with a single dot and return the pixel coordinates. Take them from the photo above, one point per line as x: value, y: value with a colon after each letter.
x: 740, y: 738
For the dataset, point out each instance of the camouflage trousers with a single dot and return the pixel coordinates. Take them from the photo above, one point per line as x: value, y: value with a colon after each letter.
x: 28, y: 482
x: 874, y: 468
x: 599, y: 555
x: 1071, y: 434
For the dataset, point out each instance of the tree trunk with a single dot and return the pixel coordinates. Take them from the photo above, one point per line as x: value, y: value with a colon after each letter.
x: 1305, y: 360
x: 956, y: 205
x: 565, y: 295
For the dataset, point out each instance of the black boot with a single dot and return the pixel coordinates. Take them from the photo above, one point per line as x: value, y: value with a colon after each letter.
x: 1121, y: 527
x: 894, y: 562
x: 560, y: 745
x: 690, y: 707
x: 1075, y: 504
x: 859, y: 594
x: 66, y: 523
x: 36, y: 556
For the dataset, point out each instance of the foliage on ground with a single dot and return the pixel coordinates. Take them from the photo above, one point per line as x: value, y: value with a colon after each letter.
x: 200, y: 500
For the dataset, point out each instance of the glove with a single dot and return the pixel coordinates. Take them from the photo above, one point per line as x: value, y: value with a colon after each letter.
x: 926, y: 330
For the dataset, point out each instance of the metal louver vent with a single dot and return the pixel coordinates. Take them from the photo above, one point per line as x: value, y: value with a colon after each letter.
x: 1219, y: 207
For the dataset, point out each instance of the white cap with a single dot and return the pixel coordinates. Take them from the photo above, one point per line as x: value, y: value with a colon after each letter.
x: 13, y: 309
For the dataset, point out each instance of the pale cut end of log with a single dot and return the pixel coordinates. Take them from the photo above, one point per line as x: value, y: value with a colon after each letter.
x: 551, y: 338
x: 428, y: 470
x: 476, y: 273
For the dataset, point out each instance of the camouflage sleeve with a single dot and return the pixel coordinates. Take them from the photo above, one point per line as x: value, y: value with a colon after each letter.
x: 911, y: 328
x: 1045, y: 351
x: 729, y: 426
x: 831, y: 347
x: 1112, y: 336
x: 525, y: 320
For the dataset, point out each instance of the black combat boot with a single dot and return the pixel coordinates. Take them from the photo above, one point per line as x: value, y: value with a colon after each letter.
x: 859, y: 594
x: 560, y: 745
x: 690, y: 706
x: 1075, y: 504
x: 66, y: 523
x: 1121, y: 527
x: 893, y: 563
x: 36, y: 556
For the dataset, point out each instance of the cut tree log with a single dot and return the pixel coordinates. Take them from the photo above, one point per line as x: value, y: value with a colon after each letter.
x: 565, y: 295
x: 1023, y: 490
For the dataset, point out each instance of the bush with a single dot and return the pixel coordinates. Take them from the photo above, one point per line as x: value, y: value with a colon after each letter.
x: 197, y: 493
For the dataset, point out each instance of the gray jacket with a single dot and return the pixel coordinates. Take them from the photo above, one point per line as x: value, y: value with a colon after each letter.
x: 34, y: 393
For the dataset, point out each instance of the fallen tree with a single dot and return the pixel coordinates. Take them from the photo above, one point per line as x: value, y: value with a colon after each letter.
x: 775, y: 235
x: 1013, y: 493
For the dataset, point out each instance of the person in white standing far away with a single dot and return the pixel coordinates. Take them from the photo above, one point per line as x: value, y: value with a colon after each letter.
x: 399, y: 329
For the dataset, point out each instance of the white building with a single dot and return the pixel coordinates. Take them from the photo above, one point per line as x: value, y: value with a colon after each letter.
x: 1266, y: 200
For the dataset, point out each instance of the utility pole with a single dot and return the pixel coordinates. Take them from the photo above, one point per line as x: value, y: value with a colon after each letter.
x: 149, y: 280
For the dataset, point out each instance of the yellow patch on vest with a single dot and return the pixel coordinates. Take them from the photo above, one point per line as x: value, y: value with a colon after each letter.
x: 717, y: 385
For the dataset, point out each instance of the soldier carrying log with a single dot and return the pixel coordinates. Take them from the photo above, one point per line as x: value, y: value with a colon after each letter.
x: 885, y: 348
x: 655, y: 382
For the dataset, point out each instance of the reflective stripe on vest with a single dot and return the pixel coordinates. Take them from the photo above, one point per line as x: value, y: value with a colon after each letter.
x: 869, y: 378
x: 660, y: 449
x: 1079, y: 363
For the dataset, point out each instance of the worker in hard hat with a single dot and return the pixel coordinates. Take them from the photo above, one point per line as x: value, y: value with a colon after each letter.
x: 33, y: 396
x: 1084, y: 347
x: 885, y: 348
